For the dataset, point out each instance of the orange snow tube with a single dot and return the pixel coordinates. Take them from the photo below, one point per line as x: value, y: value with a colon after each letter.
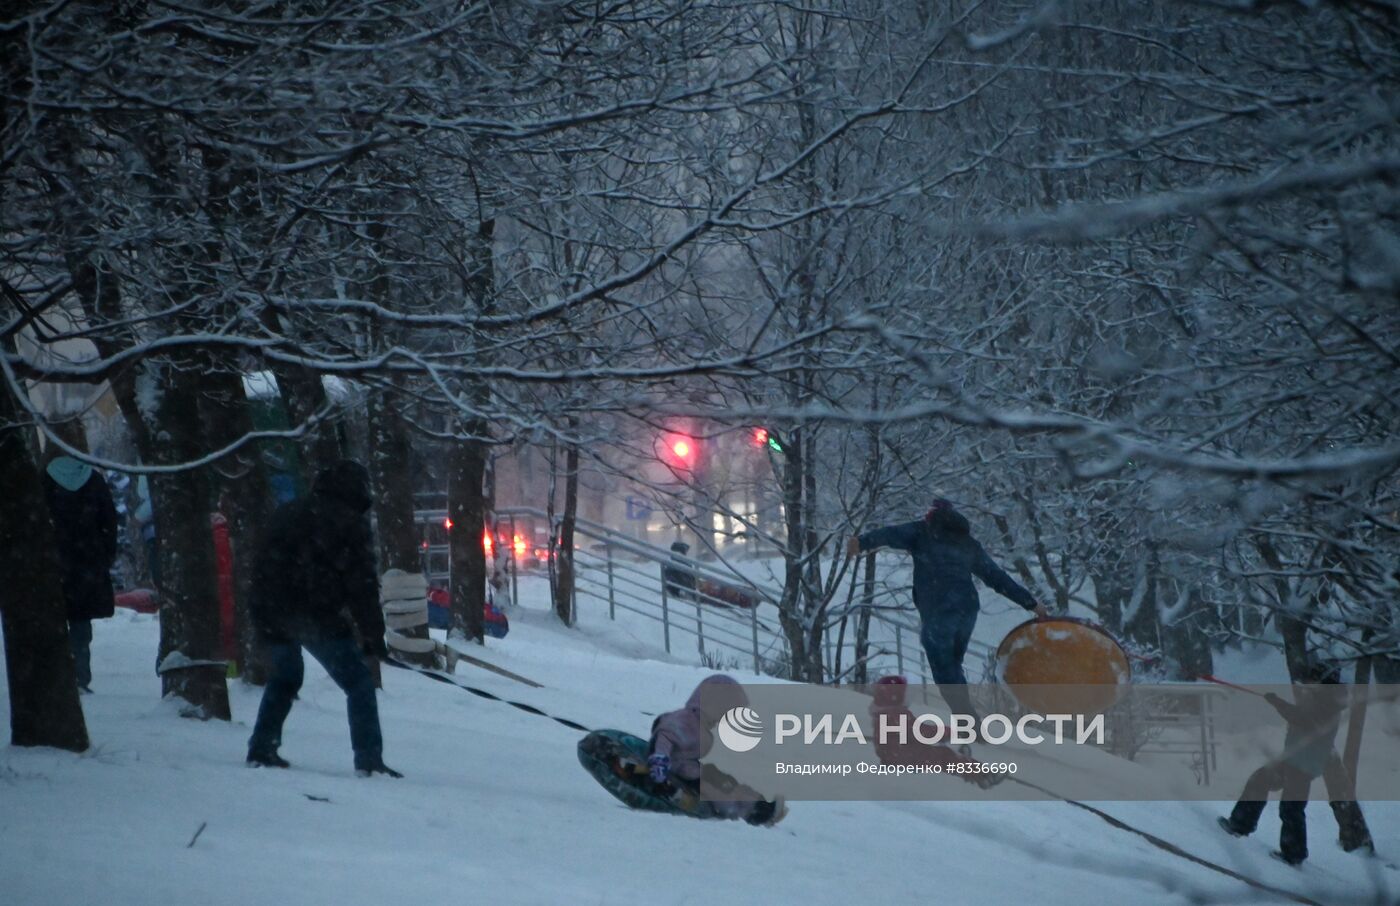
x: 1063, y: 665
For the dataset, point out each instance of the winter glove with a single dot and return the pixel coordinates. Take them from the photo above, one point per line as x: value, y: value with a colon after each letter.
x: 659, y: 768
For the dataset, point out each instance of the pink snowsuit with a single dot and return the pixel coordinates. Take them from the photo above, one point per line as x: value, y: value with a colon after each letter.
x: 686, y: 735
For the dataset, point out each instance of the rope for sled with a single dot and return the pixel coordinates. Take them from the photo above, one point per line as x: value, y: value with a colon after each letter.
x: 482, y: 693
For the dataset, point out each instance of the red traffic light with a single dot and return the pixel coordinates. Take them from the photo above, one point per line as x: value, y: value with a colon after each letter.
x: 679, y: 451
x: 762, y: 437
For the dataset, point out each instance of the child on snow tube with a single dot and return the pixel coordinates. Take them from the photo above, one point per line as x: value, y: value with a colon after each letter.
x: 889, y: 702
x: 681, y: 738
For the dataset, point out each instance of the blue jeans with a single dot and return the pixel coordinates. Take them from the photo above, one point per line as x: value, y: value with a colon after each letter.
x: 342, y: 659
x: 945, y: 636
x: 80, y: 642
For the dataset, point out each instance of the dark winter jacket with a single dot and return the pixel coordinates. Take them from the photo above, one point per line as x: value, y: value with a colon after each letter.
x: 85, y: 529
x: 677, y: 575
x: 315, y: 564
x: 1312, y: 725
x: 946, y: 557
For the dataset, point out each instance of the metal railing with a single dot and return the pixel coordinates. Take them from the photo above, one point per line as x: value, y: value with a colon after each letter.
x: 625, y: 573
x: 721, y: 614
x: 725, y: 614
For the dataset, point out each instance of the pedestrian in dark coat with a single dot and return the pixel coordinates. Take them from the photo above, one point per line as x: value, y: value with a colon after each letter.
x: 1313, y: 722
x: 85, y: 533
x: 314, y: 587
x: 946, y: 557
x: 678, y: 575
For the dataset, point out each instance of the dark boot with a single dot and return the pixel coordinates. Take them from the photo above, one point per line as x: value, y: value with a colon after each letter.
x: 267, y: 760
x: 761, y: 813
x: 369, y: 769
x: 1352, y: 832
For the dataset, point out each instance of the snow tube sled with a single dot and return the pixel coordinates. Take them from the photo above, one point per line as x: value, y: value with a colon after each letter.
x: 1039, y: 655
x: 618, y: 761
x: 495, y: 622
x: 719, y: 594
x: 440, y: 616
x: 141, y: 600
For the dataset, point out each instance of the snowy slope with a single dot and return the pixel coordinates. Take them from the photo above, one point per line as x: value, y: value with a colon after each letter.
x: 494, y: 809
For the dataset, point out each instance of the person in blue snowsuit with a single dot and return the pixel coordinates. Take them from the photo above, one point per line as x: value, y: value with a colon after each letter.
x: 946, y: 557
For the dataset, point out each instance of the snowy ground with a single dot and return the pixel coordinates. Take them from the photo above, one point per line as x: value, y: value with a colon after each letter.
x: 495, y: 809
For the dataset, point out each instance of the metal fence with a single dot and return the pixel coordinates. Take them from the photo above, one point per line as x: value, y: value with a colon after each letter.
x: 625, y: 574
x: 726, y: 614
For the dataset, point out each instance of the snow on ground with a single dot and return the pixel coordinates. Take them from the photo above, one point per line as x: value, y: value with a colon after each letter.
x: 495, y: 809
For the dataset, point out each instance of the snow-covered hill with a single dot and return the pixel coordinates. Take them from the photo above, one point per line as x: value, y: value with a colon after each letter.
x: 495, y: 809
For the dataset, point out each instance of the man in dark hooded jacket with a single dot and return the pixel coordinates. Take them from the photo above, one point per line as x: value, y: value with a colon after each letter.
x: 946, y: 557
x: 85, y: 532
x: 314, y: 585
x: 1313, y: 722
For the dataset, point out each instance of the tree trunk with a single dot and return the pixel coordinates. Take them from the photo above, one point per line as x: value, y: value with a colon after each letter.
x: 469, y: 502
x: 1109, y: 596
x: 44, y: 706
x: 862, y: 673
x: 189, y: 612
x: 1293, y: 629
x: 564, y: 552
x: 244, y: 497
x: 814, y: 602
x: 467, y: 508
x: 1187, y: 642
x: 390, y: 468
x: 1145, y: 626
x: 790, y: 607
x: 242, y: 489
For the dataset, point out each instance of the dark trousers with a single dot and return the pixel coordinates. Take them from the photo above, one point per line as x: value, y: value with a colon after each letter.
x: 1352, y: 831
x: 80, y: 642
x: 342, y: 659
x: 945, y: 639
x: 1293, y: 838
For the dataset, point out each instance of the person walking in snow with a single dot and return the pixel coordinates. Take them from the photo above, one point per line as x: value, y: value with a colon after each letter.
x: 85, y: 534
x: 946, y: 557
x: 678, y: 575
x: 1313, y: 722
x: 681, y: 738
x: 314, y: 585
